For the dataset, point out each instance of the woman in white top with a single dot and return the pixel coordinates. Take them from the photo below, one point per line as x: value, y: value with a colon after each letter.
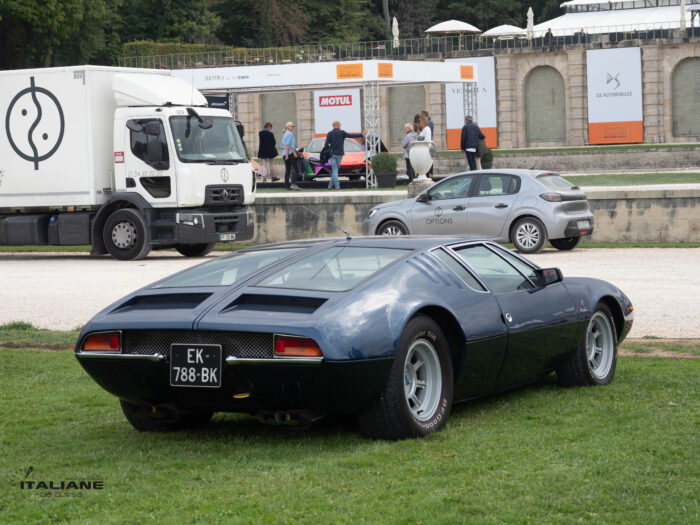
x: 425, y: 133
x: 409, y: 137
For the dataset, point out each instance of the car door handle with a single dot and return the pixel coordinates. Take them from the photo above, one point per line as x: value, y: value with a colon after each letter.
x: 501, y: 205
x: 459, y: 208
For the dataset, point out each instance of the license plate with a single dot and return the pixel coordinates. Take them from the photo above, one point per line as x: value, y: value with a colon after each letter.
x: 195, y: 365
x: 227, y: 236
x: 582, y: 224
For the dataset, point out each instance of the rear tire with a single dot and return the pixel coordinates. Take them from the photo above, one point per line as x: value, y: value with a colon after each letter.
x: 567, y: 243
x: 137, y: 416
x: 195, y: 250
x: 417, y: 398
x: 528, y: 235
x: 392, y: 228
x: 125, y: 235
x: 595, y: 359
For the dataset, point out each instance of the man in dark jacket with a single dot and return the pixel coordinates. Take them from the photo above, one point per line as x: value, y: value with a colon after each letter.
x: 335, y: 141
x: 470, y: 140
x: 267, y: 151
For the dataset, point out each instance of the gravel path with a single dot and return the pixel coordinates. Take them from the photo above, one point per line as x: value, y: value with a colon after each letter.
x: 63, y: 291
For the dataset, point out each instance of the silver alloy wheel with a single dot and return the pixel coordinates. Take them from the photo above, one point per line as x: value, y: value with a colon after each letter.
x: 422, y: 379
x: 528, y: 235
x: 124, y: 235
x: 392, y: 231
x: 600, y: 345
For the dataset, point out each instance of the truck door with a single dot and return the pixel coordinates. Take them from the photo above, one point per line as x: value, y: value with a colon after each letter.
x: 149, y: 169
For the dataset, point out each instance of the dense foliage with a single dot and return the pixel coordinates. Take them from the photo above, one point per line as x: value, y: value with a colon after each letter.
x: 37, y: 33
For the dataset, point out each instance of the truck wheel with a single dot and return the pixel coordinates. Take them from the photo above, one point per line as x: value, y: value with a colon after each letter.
x: 125, y: 235
x: 195, y: 250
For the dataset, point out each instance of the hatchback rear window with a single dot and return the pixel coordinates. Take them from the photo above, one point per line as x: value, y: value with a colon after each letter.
x: 555, y: 182
x: 336, y: 269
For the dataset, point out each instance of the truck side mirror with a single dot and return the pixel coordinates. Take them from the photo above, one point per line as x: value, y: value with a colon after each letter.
x: 134, y: 126
x: 206, y: 123
x: 241, y: 128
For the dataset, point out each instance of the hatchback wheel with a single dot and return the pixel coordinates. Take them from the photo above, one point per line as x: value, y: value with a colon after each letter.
x: 567, y: 243
x: 528, y: 235
x: 392, y: 228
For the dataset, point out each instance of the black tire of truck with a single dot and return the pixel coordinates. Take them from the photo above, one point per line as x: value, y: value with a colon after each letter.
x: 125, y: 235
x: 195, y: 250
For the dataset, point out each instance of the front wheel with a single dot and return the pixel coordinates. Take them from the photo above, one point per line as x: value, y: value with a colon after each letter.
x: 141, y: 421
x: 567, y: 243
x: 392, y: 228
x: 125, y: 235
x: 417, y: 398
x: 528, y: 235
x: 195, y: 250
x: 595, y: 359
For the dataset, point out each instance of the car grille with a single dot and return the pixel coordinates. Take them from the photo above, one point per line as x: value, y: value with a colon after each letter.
x: 243, y: 345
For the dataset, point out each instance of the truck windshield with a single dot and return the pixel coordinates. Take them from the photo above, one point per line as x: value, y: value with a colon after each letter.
x: 220, y: 143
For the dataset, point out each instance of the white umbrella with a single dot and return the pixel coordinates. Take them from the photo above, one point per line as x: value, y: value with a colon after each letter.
x: 395, y: 32
x: 682, y: 15
x: 505, y: 30
x: 530, y: 22
x: 453, y: 26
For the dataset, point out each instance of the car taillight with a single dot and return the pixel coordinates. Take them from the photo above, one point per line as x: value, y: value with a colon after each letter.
x: 107, y: 342
x: 289, y: 346
x: 551, y: 197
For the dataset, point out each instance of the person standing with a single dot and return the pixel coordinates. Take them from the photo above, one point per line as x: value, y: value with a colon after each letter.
x: 425, y: 134
x: 335, y: 142
x: 431, y: 125
x: 408, y: 138
x: 470, y: 140
x: 267, y: 151
x: 289, y: 148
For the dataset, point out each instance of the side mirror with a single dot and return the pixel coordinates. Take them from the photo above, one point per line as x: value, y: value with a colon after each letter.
x: 549, y: 276
x: 423, y: 197
x: 241, y: 128
x: 206, y: 123
x: 134, y: 126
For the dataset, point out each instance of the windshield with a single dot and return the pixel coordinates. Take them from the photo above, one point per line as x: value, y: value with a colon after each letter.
x: 220, y: 143
x: 335, y: 269
x: 226, y: 270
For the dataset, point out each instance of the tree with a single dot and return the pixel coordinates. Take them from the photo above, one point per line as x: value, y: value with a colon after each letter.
x: 189, y: 21
x: 489, y: 13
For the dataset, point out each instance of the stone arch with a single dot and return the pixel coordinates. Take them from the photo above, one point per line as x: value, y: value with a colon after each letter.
x: 685, y: 98
x: 545, y: 105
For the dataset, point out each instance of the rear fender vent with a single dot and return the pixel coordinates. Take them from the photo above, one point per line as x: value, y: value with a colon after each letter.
x: 171, y: 301
x: 276, y: 303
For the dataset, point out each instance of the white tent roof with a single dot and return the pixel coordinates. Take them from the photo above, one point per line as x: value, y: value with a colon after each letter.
x: 505, y: 30
x: 614, y: 21
x: 593, y: 2
x: 453, y: 26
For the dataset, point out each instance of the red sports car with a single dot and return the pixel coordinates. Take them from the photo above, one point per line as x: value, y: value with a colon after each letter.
x: 352, y: 165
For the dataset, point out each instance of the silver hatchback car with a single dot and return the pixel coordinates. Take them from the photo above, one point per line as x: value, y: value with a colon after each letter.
x: 525, y: 207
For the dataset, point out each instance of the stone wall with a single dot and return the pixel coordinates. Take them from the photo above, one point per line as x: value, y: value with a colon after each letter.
x: 644, y: 215
x: 658, y: 62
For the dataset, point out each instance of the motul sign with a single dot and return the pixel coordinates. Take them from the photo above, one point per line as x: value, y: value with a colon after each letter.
x: 342, y: 100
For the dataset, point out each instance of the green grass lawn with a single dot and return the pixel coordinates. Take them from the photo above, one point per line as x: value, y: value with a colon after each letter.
x: 625, y: 453
x: 634, y: 179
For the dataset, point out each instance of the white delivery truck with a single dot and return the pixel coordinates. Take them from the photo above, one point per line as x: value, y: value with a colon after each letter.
x: 121, y: 159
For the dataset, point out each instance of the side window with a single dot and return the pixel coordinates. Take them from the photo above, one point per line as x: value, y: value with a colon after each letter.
x: 523, y: 268
x: 460, y: 270
x: 498, y: 275
x: 498, y: 185
x: 456, y: 188
x: 152, y: 149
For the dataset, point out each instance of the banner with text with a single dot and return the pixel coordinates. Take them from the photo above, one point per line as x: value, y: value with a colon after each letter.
x: 485, y: 102
x: 337, y: 104
x: 615, y: 113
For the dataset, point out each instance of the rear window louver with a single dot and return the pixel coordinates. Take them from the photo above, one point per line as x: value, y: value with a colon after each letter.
x: 275, y: 303
x: 171, y: 301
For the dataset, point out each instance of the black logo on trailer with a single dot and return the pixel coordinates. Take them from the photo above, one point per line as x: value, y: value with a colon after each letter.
x: 47, y: 143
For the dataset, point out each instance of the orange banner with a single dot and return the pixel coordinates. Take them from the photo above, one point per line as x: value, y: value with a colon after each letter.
x: 347, y: 71
x: 385, y: 70
x: 466, y: 72
x: 616, y: 132
x: 454, y: 136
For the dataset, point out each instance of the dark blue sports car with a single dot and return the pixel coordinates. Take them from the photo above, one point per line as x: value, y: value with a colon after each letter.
x: 391, y: 329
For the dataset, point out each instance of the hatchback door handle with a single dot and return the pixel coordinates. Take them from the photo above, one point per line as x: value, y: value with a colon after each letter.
x: 458, y: 208
x: 501, y: 205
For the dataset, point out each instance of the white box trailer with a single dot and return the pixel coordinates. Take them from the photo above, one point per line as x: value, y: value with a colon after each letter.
x: 122, y: 159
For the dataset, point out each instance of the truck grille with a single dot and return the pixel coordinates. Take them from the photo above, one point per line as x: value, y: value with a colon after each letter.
x: 243, y: 345
x: 229, y: 194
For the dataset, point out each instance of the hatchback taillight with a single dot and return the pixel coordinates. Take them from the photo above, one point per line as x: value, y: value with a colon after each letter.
x: 551, y: 197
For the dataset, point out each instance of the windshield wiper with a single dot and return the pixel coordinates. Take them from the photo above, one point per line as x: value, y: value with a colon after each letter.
x: 230, y: 161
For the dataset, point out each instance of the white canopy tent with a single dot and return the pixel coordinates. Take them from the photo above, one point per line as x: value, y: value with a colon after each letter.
x: 505, y: 30
x: 609, y: 21
x: 453, y: 26
x: 368, y: 74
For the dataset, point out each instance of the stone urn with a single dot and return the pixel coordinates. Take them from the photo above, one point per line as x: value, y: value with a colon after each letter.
x: 421, y: 156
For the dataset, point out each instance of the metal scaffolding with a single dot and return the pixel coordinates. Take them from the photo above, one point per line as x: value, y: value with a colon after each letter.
x: 469, y: 92
x: 372, y: 126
